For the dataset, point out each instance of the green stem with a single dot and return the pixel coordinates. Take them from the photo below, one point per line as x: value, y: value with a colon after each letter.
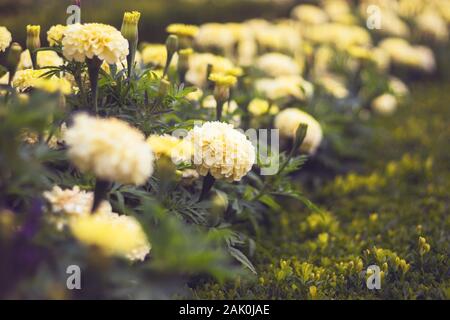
x: 94, y: 65
x: 208, y: 183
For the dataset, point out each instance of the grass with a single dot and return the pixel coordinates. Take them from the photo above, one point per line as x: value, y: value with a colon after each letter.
x: 377, y: 215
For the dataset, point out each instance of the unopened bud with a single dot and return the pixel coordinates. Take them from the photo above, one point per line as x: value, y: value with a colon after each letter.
x: 164, y: 87
x: 171, y: 45
x: 33, y: 37
x: 130, y: 25
x: 13, y: 56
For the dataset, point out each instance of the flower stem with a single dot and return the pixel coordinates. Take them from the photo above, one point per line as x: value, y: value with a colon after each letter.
x: 94, y: 65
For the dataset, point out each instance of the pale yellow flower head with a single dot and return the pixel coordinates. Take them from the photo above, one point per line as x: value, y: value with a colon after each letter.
x: 155, y: 54
x: 221, y: 150
x: 110, y: 148
x: 73, y: 201
x: 131, y: 17
x: 55, y: 34
x: 333, y: 85
x: 402, y: 53
x: 29, y: 78
x: 86, y: 41
x: 5, y: 39
x: 171, y: 147
x: 215, y: 35
x: 309, y: 14
x: 258, y: 107
x: 182, y: 30
x: 276, y: 64
x: 45, y: 58
x: 223, y: 80
x: 114, y: 234
x: 198, y: 65
x: 288, y: 121
x: 284, y: 87
x: 386, y: 104
x: 431, y: 24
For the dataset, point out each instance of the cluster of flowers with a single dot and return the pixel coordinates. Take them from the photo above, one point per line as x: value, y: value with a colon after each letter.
x: 283, y: 65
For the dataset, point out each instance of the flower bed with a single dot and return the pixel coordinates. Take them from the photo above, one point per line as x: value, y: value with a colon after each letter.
x: 157, y: 167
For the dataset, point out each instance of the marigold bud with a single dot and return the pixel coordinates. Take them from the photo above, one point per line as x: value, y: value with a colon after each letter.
x: 33, y: 37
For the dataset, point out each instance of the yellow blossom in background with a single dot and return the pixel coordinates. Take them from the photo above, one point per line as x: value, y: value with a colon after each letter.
x: 182, y: 30
x: 223, y: 80
x: 398, y: 87
x: 110, y: 148
x: 114, y: 234
x: 55, y: 34
x: 73, y: 201
x: 309, y: 14
x: 431, y: 24
x: 165, y: 145
x: 258, y: 107
x: 424, y: 246
x: 333, y: 85
x: 25, y: 79
x: 195, y: 95
x: 339, y: 35
x: 288, y: 121
x: 66, y: 203
x: 5, y: 38
x: 82, y: 41
x: 45, y: 58
x: 198, y: 65
x: 154, y: 54
x: 385, y: 104
x: 284, y: 87
x: 29, y: 78
x: 221, y: 150
x: 215, y: 35
x: 402, y: 53
x: 277, y: 64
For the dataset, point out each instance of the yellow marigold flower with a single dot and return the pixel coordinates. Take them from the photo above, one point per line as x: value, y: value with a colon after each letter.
x: 398, y: 87
x: 5, y: 38
x: 385, y: 104
x: 110, y: 148
x: 221, y: 150
x: 258, y: 107
x: 155, y: 54
x: 91, y: 40
x: 55, y: 34
x: 284, y: 87
x: 182, y: 30
x: 25, y: 79
x: 223, y: 80
x: 402, y: 53
x: 288, y: 120
x: 73, y: 201
x: 176, y: 149
x: 53, y: 85
x: 113, y: 234
x: 29, y: 78
x: 215, y: 35
x: 45, y: 58
x: 236, y: 72
x: 333, y: 85
x: 431, y: 24
x: 309, y: 14
x: 276, y: 64
x: 198, y: 64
